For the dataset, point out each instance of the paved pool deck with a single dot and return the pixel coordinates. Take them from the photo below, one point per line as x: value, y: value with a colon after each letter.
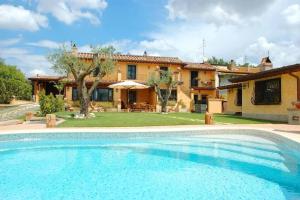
x: 289, y: 131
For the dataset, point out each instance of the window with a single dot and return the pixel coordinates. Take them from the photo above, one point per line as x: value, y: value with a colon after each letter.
x: 165, y: 69
x: 268, y: 92
x: 173, y: 95
x: 75, y: 94
x: 96, y: 72
x: 131, y: 72
x: 194, y: 78
x: 196, y: 99
x: 239, y: 97
x: 102, y: 94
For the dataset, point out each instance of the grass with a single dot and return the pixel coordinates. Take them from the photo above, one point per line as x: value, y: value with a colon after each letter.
x: 151, y: 119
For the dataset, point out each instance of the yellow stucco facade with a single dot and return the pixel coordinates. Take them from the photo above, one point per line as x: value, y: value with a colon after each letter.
x: 144, y: 69
x: 276, y: 112
x: 231, y: 105
x: 273, y: 111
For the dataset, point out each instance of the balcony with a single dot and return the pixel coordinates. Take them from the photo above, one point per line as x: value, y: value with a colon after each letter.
x: 207, y: 85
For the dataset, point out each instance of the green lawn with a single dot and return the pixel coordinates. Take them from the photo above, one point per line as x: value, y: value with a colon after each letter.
x: 151, y: 119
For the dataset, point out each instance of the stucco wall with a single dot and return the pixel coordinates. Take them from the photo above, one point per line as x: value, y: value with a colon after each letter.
x: 272, y: 112
x: 144, y: 71
x: 215, y: 105
x: 231, y: 107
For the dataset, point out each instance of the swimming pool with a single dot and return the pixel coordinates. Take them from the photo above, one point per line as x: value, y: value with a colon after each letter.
x: 214, y: 164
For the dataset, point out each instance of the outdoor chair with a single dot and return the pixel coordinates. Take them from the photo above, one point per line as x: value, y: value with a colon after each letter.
x: 68, y: 107
x: 95, y: 108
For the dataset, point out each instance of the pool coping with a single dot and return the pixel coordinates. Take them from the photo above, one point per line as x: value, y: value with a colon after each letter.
x: 289, y: 135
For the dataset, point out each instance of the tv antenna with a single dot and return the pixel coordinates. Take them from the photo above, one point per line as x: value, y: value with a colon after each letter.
x: 203, y: 50
x: 245, y: 59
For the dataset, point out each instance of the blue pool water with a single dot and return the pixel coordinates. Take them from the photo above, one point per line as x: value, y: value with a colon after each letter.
x: 224, y: 164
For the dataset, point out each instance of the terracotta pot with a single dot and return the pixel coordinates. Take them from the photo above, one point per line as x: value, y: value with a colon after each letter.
x: 297, y: 104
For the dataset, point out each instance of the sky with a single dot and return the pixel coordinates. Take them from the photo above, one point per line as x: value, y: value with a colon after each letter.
x: 242, y: 30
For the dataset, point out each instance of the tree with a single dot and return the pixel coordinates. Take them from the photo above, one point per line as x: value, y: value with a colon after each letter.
x: 60, y: 86
x: 163, y: 79
x: 64, y: 61
x: 218, y: 61
x: 246, y: 65
x: 13, y: 83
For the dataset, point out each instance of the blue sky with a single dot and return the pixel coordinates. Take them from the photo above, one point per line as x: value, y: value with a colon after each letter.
x: 232, y: 29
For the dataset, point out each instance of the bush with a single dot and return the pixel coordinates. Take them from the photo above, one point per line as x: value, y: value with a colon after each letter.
x: 13, y: 83
x: 50, y: 104
x: 60, y: 103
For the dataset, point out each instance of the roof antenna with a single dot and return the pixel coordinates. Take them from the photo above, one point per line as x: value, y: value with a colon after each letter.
x: 245, y: 62
x: 268, y: 53
x: 203, y: 50
x: 245, y: 59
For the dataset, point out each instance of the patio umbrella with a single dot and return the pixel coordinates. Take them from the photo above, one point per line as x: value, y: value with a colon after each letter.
x: 128, y: 85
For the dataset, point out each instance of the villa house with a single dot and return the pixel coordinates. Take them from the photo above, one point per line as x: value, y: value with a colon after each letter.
x: 199, y: 82
x: 267, y: 94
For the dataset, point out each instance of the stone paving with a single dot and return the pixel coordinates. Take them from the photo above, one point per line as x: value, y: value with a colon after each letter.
x: 17, y: 111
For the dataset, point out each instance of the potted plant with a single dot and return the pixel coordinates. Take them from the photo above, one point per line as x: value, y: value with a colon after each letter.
x: 296, y: 104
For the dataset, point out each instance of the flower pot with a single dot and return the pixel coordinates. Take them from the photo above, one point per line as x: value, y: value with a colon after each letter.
x: 296, y: 104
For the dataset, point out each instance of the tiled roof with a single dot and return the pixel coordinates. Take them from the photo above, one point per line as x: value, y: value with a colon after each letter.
x: 46, y: 78
x: 268, y: 73
x: 199, y: 66
x: 72, y: 81
x: 136, y: 58
x: 238, y: 70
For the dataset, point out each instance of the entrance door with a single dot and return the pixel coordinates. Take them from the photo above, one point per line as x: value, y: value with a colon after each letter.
x: 197, y: 104
x: 203, y: 103
x: 132, y: 96
x: 51, y: 89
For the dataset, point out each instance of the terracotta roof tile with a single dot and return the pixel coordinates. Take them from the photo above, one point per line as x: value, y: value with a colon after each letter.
x: 238, y: 70
x: 199, y: 66
x: 46, y: 78
x: 136, y: 58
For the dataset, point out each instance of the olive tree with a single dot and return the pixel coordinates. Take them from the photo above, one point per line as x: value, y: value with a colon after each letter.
x: 102, y: 63
x: 163, y: 80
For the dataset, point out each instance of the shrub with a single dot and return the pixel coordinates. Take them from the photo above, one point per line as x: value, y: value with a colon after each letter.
x: 13, y: 83
x: 60, y: 103
x: 50, y: 104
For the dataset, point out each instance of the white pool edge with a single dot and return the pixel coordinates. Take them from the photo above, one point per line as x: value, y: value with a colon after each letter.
x: 292, y: 136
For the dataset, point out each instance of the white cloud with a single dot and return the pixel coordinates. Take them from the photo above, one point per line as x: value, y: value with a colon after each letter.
x: 46, y: 44
x: 232, y: 29
x: 292, y: 14
x: 18, y: 18
x: 10, y: 41
x: 217, y: 11
x: 69, y: 11
x: 161, y: 45
x: 36, y: 71
x: 25, y: 60
x: 281, y: 53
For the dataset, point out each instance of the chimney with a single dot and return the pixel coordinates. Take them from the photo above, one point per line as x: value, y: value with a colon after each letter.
x: 74, y: 48
x: 231, y: 65
x: 265, y: 64
x: 145, y: 53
